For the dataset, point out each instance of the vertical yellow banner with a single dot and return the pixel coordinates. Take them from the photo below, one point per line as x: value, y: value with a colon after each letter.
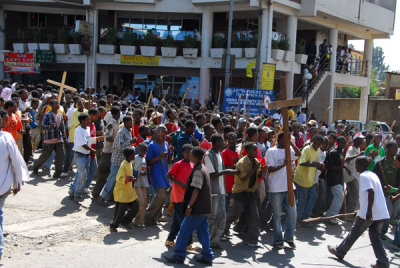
x: 267, y: 76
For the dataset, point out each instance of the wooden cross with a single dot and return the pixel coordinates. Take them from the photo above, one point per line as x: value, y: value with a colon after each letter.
x: 284, y: 104
x: 62, y: 85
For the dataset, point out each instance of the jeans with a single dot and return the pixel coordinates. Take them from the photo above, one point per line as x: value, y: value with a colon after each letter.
x: 154, y: 210
x: 49, y: 161
x: 108, y: 189
x: 246, y: 203
x: 141, y: 193
x: 82, y: 165
x: 321, y: 203
x: 374, y: 229
x: 338, y: 196
x: 179, y: 215
x: 102, y: 173
x: 91, y: 172
x: 393, y: 209
x: 280, y: 201
x: 2, y: 200
x: 396, y: 239
x: 189, y: 224
x: 217, y: 218
x: 68, y: 157
x: 306, y: 198
x: 352, y: 200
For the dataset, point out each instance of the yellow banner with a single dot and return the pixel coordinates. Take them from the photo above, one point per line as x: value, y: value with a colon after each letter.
x: 140, y: 60
x: 267, y: 76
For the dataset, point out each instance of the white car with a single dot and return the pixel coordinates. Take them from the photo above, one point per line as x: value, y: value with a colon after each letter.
x: 363, y: 127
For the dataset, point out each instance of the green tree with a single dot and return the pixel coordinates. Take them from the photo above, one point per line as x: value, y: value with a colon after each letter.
x: 378, y: 63
x: 374, y: 83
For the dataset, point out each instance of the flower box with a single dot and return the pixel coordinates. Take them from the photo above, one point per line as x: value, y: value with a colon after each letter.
x: 61, y: 48
x: 45, y: 46
x: 32, y: 47
x: 20, y: 47
x: 217, y: 52
x: 250, y: 52
x: 237, y: 52
x: 127, y: 50
x: 301, y: 58
x: 149, y: 51
x: 168, y: 51
x: 190, y: 52
x: 75, y: 49
x: 277, y: 54
x: 288, y: 56
x: 107, y: 49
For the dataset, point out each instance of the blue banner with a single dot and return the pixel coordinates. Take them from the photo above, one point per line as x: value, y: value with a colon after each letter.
x: 255, y: 99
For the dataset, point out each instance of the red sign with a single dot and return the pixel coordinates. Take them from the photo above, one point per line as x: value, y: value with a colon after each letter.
x: 19, y: 59
x: 34, y: 69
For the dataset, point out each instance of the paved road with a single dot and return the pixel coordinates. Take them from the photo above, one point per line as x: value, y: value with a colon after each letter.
x: 46, y: 229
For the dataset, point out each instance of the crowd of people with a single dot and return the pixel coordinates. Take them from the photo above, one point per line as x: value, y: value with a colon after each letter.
x: 208, y: 169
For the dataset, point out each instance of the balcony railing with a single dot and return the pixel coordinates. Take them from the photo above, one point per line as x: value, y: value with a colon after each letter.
x: 353, y: 67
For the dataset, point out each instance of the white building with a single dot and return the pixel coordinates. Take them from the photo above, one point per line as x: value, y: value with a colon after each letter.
x: 293, y: 20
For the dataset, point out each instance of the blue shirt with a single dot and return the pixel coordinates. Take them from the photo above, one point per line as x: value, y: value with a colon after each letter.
x: 183, y: 139
x: 159, y: 170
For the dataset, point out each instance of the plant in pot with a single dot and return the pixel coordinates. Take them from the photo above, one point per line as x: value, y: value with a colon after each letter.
x: 219, y: 46
x: 20, y: 45
x: 276, y: 52
x: 168, y: 48
x: 128, y: 43
x: 251, y: 51
x: 75, y: 46
x: 150, y: 41
x: 61, y: 46
x: 189, y: 46
x: 284, y: 45
x: 236, y: 45
x: 48, y: 43
x: 37, y: 38
x: 301, y: 57
x: 108, y: 43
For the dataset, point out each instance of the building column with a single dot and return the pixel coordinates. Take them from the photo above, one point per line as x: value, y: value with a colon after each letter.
x: 104, y: 77
x: 91, y: 67
x: 291, y: 31
x: 206, y: 40
x: 263, y: 45
x: 2, y: 39
x: 333, y: 40
x: 269, y: 31
x: 368, y: 49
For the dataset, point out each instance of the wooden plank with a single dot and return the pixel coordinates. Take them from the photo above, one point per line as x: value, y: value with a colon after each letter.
x: 285, y: 103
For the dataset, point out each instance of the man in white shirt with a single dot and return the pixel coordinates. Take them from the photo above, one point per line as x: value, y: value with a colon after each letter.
x: 278, y: 192
x: 371, y: 216
x: 13, y: 172
x: 7, y: 90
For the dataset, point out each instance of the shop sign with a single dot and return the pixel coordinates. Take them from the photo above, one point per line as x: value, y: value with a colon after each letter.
x: 45, y: 56
x: 268, y: 76
x: 19, y: 59
x: 139, y: 60
x: 34, y: 69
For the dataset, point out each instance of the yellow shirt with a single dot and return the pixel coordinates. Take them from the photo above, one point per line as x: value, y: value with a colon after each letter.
x: 74, y: 123
x: 60, y: 110
x: 244, y: 165
x: 305, y: 176
x: 291, y: 114
x: 108, y: 106
x: 124, y: 192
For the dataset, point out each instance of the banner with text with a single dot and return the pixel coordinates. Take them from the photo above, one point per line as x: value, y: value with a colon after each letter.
x: 139, y: 60
x: 19, y: 59
x: 267, y: 76
x: 255, y: 99
x: 34, y: 69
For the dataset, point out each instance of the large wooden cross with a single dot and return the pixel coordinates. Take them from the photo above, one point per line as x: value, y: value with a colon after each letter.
x: 284, y: 104
x: 62, y: 85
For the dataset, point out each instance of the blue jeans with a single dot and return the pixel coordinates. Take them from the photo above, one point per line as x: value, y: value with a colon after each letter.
x: 2, y: 200
x: 68, y: 157
x: 397, y: 235
x: 393, y: 209
x: 374, y: 231
x: 306, y: 198
x: 179, y: 215
x: 82, y: 166
x: 338, y: 196
x: 91, y: 172
x: 50, y: 160
x: 280, y: 201
x: 189, y: 224
x: 108, y: 189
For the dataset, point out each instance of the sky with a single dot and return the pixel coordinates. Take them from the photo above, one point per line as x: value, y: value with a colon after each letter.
x: 390, y: 46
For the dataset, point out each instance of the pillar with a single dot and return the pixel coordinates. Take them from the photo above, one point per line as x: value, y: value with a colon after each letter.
x: 291, y: 31
x: 368, y: 48
x: 104, y: 77
x: 91, y: 67
x: 269, y: 31
x: 2, y: 40
x: 263, y: 44
x: 206, y: 40
x: 333, y: 40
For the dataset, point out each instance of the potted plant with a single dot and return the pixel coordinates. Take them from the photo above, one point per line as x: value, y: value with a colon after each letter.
x: 284, y: 45
x: 128, y: 41
x: 301, y: 57
x: 75, y: 46
x: 251, y: 51
x: 37, y: 38
x: 47, y: 45
x: 189, y: 46
x: 20, y: 46
x: 108, y: 47
x: 168, y: 48
x: 276, y: 52
x: 236, y: 45
x: 61, y: 46
x: 219, y: 43
x: 149, y: 48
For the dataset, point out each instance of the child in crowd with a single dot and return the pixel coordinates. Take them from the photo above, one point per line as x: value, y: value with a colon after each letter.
x: 142, y: 183
x: 124, y: 194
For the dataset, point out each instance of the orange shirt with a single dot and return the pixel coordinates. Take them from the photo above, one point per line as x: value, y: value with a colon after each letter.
x: 13, y: 126
x: 181, y: 171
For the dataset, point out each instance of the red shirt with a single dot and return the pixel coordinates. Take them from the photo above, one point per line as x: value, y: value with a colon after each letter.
x: 229, y: 158
x: 171, y: 127
x: 206, y: 145
x: 181, y: 171
x: 135, y: 129
x: 93, y: 134
x: 139, y: 140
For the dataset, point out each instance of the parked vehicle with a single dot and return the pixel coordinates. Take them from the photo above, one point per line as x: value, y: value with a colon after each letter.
x: 363, y: 127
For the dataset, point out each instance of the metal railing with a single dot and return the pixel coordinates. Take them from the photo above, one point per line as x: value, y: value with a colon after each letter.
x: 352, y: 67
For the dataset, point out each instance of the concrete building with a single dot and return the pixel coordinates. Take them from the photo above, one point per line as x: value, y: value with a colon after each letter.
x: 35, y: 23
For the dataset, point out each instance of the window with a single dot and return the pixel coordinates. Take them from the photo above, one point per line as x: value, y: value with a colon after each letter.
x: 36, y: 20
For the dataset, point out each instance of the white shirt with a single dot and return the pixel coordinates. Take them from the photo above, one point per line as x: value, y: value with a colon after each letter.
x: 369, y: 180
x: 302, y: 118
x: 13, y: 169
x: 69, y: 115
x: 351, y: 166
x: 210, y: 167
x: 81, y: 137
x: 108, y: 117
x: 6, y: 93
x: 277, y: 180
x: 321, y: 158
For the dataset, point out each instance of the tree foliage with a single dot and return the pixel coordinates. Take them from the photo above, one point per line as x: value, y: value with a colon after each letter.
x: 378, y: 63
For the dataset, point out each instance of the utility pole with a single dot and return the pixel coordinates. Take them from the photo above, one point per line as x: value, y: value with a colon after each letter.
x: 259, y: 37
x: 228, y: 49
